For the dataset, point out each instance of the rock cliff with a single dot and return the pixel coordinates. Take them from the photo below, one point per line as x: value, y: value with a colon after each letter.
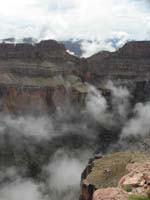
x: 44, y: 75
x: 117, y: 176
x: 39, y: 77
x: 131, y: 62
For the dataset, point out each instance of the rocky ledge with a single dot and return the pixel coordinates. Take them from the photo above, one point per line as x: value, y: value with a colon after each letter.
x: 119, y: 176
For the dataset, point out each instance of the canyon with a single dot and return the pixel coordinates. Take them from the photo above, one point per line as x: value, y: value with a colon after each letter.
x: 44, y: 92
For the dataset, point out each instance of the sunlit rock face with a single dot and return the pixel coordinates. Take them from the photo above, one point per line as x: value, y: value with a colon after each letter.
x: 27, y: 99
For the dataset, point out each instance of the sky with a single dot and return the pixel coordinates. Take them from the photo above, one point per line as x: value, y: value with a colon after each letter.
x: 96, y: 20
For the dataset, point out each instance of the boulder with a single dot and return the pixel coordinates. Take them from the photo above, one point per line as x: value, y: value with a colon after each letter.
x: 138, y: 178
x: 110, y: 194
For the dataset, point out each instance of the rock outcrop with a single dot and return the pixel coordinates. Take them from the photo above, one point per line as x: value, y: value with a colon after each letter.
x: 116, y: 177
x: 137, y: 181
x: 110, y: 194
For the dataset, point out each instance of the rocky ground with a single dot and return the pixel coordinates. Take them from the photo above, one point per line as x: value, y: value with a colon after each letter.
x: 119, y: 176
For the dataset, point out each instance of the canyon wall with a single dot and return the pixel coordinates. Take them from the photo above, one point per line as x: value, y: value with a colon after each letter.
x: 44, y: 75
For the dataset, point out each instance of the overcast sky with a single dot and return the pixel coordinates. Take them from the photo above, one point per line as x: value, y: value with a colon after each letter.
x: 82, y: 19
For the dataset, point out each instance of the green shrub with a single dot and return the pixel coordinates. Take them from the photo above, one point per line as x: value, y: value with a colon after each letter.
x: 148, y: 193
x: 138, y: 197
x: 128, y: 188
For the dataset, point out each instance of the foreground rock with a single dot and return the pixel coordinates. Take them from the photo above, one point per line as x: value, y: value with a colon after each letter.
x: 116, y: 176
x: 110, y: 194
x: 138, y: 179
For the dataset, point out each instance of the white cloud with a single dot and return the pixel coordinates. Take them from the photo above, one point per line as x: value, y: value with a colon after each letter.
x: 120, y: 100
x: 91, y: 47
x: 97, y: 107
x: 140, y: 123
x: 63, y: 176
x: 40, y: 127
x: 20, y: 189
x: 63, y: 19
x: 65, y: 169
x: 70, y: 52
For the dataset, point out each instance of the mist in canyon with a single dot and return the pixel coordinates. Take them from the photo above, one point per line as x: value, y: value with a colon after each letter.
x: 43, y: 156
